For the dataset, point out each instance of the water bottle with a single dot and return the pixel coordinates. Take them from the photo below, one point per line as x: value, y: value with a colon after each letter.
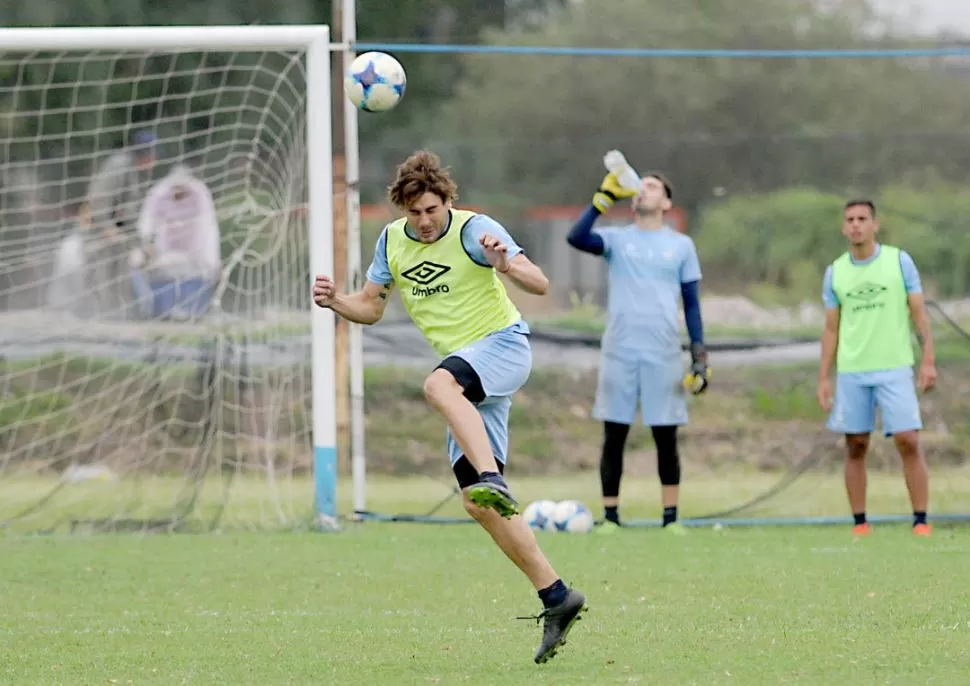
x: 627, y: 176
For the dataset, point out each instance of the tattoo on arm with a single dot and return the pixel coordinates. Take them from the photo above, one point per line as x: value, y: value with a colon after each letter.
x: 384, y: 292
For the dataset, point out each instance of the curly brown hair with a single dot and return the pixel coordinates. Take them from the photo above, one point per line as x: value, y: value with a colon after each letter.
x: 419, y: 174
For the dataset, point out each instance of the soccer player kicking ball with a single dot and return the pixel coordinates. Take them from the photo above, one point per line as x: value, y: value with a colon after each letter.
x: 870, y: 293
x: 445, y: 262
x: 651, y: 269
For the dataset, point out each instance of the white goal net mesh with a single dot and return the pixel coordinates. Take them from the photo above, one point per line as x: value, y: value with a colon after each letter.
x: 154, y: 367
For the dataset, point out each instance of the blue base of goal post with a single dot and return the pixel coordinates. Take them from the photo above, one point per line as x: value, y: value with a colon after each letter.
x: 725, y: 522
x: 325, y: 485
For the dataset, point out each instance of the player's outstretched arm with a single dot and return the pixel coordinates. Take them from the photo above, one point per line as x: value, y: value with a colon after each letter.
x: 366, y: 306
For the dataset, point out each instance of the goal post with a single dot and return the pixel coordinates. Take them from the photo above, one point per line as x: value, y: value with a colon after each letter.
x: 355, y: 276
x: 230, y: 409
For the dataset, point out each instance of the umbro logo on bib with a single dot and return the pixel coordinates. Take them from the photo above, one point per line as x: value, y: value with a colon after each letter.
x: 425, y: 272
x: 866, y: 291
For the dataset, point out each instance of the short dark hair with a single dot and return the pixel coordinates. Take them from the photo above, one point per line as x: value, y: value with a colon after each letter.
x: 668, y: 187
x: 857, y: 202
x: 419, y: 174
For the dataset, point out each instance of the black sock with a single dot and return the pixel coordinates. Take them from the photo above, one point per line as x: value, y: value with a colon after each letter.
x: 611, y: 513
x: 670, y: 515
x: 919, y: 518
x: 553, y: 595
x: 859, y: 517
x: 493, y: 477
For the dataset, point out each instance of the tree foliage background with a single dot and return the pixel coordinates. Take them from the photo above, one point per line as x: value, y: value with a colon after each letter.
x: 761, y: 151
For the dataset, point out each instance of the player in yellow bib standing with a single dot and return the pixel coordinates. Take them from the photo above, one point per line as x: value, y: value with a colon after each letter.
x: 445, y: 262
x: 871, y: 293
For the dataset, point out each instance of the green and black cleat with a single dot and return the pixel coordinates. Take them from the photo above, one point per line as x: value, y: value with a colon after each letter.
x: 494, y: 496
x: 558, y: 620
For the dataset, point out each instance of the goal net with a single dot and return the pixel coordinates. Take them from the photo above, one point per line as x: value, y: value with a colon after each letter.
x: 155, y: 253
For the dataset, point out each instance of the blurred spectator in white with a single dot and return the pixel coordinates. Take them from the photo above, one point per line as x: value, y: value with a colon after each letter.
x: 178, y: 263
x: 114, y: 198
x: 68, y: 290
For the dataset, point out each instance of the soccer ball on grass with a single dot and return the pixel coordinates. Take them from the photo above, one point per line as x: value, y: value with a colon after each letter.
x: 573, y: 517
x: 540, y: 515
x: 375, y: 82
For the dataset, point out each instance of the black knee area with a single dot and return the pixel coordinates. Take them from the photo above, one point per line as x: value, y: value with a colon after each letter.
x: 611, y: 460
x: 668, y: 459
x: 466, y: 376
x: 467, y: 475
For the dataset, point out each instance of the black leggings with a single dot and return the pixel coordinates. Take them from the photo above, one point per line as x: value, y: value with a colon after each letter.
x: 611, y: 460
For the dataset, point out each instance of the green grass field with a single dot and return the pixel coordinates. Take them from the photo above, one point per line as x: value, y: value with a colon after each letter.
x: 411, y: 604
x: 422, y: 604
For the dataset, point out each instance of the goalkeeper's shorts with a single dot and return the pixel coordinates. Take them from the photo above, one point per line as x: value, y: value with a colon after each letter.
x: 657, y: 386
x: 859, y: 394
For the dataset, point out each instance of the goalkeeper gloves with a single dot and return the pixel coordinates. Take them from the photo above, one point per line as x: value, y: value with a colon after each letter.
x: 609, y: 192
x: 696, y: 380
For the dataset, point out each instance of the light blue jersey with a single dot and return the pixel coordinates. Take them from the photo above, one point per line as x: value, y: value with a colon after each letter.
x: 646, y: 270
x: 379, y: 271
x: 641, y: 361
x: 859, y: 394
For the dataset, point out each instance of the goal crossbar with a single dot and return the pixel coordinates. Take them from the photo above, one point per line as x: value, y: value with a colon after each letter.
x: 167, y: 38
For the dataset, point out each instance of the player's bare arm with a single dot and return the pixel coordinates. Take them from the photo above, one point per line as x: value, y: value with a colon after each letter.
x: 522, y: 271
x: 366, y: 306
x: 926, y: 378
x: 830, y: 343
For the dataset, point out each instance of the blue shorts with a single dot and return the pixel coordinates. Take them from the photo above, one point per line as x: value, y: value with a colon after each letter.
x: 859, y: 394
x: 503, y: 362
x: 656, y: 385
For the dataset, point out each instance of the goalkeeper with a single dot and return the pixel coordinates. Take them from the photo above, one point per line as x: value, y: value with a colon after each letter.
x: 651, y: 269
x: 445, y: 262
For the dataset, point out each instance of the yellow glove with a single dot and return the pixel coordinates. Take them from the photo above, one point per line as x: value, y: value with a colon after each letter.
x: 609, y: 192
x: 697, y: 379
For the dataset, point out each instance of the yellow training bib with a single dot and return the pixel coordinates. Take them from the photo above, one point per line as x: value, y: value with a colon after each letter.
x: 452, y: 299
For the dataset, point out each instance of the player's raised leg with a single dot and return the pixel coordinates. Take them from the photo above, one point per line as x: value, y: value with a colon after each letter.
x: 452, y: 389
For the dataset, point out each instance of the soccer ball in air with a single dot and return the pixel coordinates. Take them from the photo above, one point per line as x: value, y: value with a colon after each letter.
x: 573, y: 517
x: 375, y: 82
x: 539, y: 515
